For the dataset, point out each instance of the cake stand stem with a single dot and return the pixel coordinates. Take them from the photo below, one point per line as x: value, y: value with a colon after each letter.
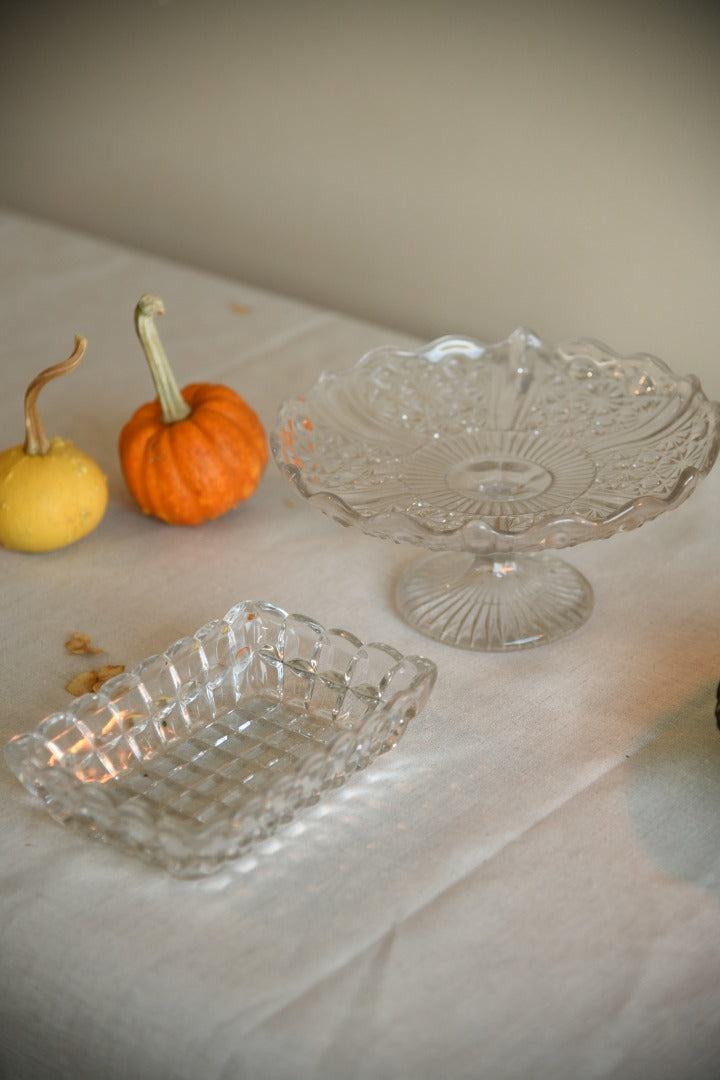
x: 494, y: 603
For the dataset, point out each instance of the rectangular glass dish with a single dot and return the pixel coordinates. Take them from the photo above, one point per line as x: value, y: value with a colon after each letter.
x: 201, y: 751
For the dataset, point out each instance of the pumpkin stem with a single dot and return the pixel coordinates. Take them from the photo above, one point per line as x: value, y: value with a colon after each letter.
x: 172, y: 404
x: 36, y: 441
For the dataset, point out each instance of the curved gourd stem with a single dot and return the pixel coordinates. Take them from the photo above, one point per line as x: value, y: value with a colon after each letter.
x: 36, y: 441
x: 172, y: 404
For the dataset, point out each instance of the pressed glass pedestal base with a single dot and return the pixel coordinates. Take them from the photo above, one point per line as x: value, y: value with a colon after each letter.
x: 494, y: 603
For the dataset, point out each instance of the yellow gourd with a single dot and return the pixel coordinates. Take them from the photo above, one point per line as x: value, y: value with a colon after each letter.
x: 51, y: 493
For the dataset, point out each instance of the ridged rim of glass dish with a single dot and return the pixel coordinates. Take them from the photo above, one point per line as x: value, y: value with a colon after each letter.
x: 549, y: 530
x: 181, y: 678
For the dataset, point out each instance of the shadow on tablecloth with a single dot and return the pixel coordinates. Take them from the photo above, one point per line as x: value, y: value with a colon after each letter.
x: 674, y: 792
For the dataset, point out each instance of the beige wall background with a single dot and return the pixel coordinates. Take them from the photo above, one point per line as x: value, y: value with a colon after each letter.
x: 433, y: 166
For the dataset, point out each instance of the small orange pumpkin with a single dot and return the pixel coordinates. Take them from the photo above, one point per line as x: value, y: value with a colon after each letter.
x: 191, y: 456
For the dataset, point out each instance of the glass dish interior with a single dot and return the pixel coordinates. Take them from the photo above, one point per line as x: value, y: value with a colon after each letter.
x: 212, y: 745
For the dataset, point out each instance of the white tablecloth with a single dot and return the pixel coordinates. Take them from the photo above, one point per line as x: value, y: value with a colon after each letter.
x: 528, y: 886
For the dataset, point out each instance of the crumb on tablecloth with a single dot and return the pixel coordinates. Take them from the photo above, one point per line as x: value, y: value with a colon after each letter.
x: 79, y: 644
x: 87, y: 682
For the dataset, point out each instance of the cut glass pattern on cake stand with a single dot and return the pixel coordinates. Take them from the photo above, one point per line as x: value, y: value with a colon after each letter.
x: 489, y: 456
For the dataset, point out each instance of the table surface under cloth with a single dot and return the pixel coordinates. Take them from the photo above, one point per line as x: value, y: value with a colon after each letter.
x: 527, y: 886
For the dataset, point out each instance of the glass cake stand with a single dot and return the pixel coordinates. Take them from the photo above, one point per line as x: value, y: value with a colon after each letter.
x: 490, y: 455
